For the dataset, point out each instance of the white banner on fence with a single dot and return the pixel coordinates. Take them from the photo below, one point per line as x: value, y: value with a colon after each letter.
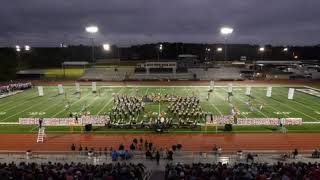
x: 77, y: 87
x: 40, y: 91
x: 60, y: 88
x: 95, y: 120
x: 290, y: 93
x: 269, y: 92
x: 221, y: 120
x: 94, y: 86
x: 248, y: 90
x: 211, y: 85
x: 230, y: 88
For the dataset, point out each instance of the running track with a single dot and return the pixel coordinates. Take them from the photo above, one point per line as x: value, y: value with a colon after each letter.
x: 200, y: 142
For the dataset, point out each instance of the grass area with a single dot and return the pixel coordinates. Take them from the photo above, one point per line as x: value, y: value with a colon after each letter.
x: 28, y: 104
x: 60, y: 73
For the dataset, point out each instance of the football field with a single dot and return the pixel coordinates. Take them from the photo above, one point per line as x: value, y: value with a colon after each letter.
x: 28, y: 104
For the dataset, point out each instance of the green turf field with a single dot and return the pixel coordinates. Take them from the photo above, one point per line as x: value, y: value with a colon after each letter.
x: 28, y: 104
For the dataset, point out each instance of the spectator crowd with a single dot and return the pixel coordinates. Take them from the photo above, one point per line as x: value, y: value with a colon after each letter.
x: 71, y: 171
x: 254, y: 171
x: 14, y: 87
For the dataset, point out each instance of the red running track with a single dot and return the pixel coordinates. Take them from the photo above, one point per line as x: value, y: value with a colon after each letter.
x: 191, y: 142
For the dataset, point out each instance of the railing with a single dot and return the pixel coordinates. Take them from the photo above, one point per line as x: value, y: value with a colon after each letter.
x: 140, y: 155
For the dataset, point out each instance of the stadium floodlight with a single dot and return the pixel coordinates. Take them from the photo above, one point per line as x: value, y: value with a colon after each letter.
x: 27, y: 48
x: 18, y: 48
x: 226, y: 31
x: 219, y: 49
x: 285, y: 49
x: 261, y: 50
x: 92, y: 29
x: 106, y: 47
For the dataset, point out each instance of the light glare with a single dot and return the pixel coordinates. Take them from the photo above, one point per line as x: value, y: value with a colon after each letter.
x: 27, y: 47
x: 106, y: 47
x: 226, y: 30
x: 92, y: 29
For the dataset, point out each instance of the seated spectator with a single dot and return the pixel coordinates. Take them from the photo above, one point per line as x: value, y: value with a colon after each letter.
x: 249, y: 157
x: 148, y: 155
x: 114, y: 155
x: 72, y: 171
x: 259, y: 171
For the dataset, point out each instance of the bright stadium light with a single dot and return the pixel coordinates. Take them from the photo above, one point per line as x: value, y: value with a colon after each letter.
x: 27, y: 48
x: 285, y: 49
x: 226, y: 30
x: 261, y: 50
x: 106, y: 47
x: 219, y: 49
x: 18, y: 48
x: 92, y: 29
x: 160, y: 47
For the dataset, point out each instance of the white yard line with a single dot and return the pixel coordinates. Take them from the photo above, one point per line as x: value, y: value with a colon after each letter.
x: 77, y: 101
x: 107, y: 103
x: 306, y: 106
x: 36, y: 104
x: 214, y: 106
x: 266, y: 104
x: 255, y: 108
x: 297, y: 111
x: 14, y: 101
x: 229, y: 103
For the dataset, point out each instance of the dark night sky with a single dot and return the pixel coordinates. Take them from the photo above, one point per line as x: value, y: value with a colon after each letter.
x: 123, y: 22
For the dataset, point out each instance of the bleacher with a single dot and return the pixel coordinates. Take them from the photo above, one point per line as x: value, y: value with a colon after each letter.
x: 224, y: 73
x: 129, y: 73
x: 108, y: 73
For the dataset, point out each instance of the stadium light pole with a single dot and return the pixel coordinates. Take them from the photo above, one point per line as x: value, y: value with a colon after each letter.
x: 226, y: 31
x: 261, y: 50
x: 92, y: 30
x: 160, y: 51
x: 207, y: 54
x: 285, y: 50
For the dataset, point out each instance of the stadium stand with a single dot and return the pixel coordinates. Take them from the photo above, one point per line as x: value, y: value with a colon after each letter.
x: 108, y: 73
x: 71, y: 171
x: 243, y: 171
